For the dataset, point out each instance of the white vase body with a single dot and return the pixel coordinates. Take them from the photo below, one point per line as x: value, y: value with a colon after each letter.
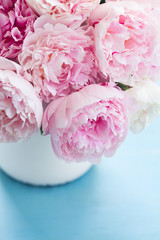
x: 34, y: 162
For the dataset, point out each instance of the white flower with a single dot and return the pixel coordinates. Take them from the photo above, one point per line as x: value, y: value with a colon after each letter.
x: 147, y: 96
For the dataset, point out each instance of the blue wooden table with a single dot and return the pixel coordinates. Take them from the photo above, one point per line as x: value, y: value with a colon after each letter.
x: 117, y: 200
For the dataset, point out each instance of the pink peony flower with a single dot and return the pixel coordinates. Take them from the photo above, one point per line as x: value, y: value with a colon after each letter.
x: 20, y: 109
x: 127, y: 39
x: 16, y: 20
x: 60, y: 59
x: 86, y: 124
x: 148, y: 3
x: 65, y: 11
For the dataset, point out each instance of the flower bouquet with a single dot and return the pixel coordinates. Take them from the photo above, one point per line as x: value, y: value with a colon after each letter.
x: 81, y: 72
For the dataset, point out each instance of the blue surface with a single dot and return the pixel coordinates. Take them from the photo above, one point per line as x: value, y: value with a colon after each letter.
x: 118, y: 200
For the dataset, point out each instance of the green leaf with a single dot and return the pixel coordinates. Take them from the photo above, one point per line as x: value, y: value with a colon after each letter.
x: 41, y: 131
x: 124, y: 87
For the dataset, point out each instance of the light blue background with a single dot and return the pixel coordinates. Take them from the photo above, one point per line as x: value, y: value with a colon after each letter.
x: 117, y: 200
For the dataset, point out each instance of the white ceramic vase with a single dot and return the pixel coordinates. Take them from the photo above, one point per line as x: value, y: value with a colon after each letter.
x: 34, y: 162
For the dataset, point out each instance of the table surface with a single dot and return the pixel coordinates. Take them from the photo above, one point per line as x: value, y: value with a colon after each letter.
x: 117, y: 200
